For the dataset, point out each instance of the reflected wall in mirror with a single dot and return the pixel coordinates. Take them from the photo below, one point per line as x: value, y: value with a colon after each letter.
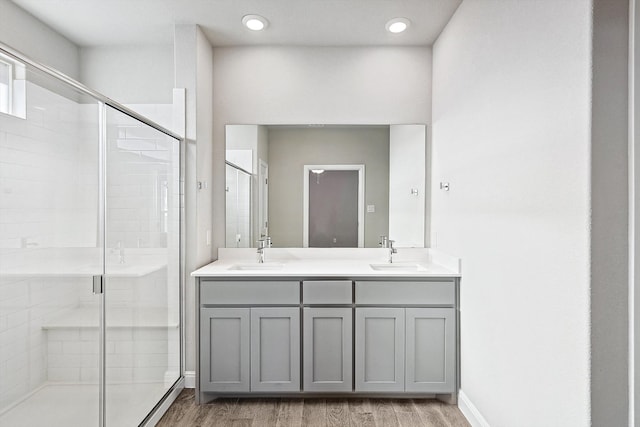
x: 269, y: 169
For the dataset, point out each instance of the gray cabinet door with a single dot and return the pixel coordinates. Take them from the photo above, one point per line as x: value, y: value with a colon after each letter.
x: 430, y: 350
x: 379, y: 349
x: 327, y: 349
x: 275, y: 349
x: 224, y: 349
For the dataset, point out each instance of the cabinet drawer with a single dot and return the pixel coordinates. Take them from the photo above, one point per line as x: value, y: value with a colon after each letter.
x: 250, y: 292
x: 406, y: 293
x: 326, y: 292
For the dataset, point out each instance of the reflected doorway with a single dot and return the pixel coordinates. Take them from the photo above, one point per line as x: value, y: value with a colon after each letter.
x: 333, y: 206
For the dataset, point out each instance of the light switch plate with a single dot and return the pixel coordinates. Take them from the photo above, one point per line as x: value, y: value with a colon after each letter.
x: 371, y: 208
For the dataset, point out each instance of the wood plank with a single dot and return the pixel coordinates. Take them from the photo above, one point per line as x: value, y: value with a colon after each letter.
x: 196, y: 417
x: 219, y: 411
x: 360, y: 413
x: 383, y: 413
x: 406, y: 413
x: 290, y: 413
x: 337, y: 413
x: 177, y: 410
x: 245, y: 408
x: 429, y: 412
x: 252, y: 412
x: 453, y: 415
x: 314, y: 413
x: 237, y: 422
x: 265, y: 412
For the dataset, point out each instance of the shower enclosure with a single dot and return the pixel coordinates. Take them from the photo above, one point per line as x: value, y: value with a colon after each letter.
x: 90, y: 299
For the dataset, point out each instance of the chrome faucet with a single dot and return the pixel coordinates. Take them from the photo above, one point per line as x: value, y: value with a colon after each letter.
x: 263, y: 244
x: 120, y: 248
x: 25, y: 243
x: 392, y: 250
x: 388, y: 244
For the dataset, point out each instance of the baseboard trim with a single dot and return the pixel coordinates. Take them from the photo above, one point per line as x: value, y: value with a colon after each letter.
x: 469, y: 410
x: 189, y: 379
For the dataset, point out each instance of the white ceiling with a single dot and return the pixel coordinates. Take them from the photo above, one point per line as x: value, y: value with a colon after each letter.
x: 291, y: 22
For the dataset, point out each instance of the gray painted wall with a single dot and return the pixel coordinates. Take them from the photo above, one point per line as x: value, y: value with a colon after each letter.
x: 635, y: 217
x: 609, y: 210
x: 291, y: 148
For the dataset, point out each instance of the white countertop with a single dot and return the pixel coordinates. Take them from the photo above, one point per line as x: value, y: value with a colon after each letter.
x: 331, y: 263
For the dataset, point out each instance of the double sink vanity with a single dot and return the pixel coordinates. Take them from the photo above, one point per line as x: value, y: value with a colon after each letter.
x: 338, y: 321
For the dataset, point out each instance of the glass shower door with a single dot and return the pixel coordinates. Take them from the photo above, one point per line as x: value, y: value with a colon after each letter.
x: 50, y: 250
x: 142, y: 308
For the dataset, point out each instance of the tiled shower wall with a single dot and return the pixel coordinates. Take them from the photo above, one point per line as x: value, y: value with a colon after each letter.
x: 48, y: 194
x: 138, y: 177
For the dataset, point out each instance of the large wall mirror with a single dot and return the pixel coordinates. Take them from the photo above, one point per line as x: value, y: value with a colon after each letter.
x: 325, y: 185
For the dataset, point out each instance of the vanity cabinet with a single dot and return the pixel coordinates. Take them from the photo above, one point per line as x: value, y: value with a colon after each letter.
x: 430, y: 357
x: 379, y: 349
x: 377, y: 335
x: 224, y: 349
x: 244, y: 346
x: 275, y: 349
x: 328, y: 335
x: 327, y: 349
x: 409, y: 349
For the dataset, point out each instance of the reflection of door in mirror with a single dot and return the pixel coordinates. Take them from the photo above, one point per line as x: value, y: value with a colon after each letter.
x: 263, y: 198
x: 333, y: 206
x: 238, y: 207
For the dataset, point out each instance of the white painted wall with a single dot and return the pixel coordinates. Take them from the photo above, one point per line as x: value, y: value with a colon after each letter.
x: 193, y: 71
x: 300, y: 85
x: 24, y: 32
x: 511, y: 133
x: 242, y: 138
x: 130, y: 74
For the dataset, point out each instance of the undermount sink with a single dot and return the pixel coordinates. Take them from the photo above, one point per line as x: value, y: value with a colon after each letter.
x: 397, y: 267
x: 256, y: 267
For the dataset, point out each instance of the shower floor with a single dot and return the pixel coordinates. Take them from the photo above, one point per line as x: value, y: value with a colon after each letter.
x: 76, y: 405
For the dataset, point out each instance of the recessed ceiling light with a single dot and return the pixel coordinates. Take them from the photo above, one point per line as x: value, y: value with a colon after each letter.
x: 397, y: 25
x: 255, y: 22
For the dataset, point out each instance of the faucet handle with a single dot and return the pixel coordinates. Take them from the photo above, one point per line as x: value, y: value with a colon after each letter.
x: 393, y: 250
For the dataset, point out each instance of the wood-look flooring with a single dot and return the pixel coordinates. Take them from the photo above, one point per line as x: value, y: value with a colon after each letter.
x: 311, y: 412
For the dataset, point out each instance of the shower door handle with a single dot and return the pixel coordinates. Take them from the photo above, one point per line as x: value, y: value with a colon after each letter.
x: 98, y: 284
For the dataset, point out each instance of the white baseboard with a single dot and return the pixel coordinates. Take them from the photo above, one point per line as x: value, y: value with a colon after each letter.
x: 189, y: 379
x: 470, y: 411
